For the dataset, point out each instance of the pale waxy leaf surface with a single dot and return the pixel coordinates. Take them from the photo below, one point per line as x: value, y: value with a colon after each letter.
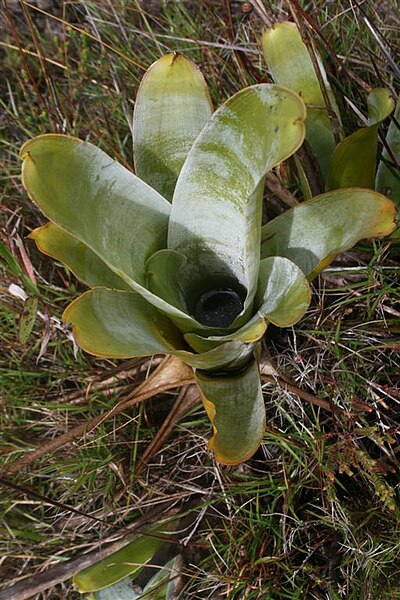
x: 118, y: 324
x: 215, y: 210
x: 249, y: 333
x: 169, y: 277
x: 74, y: 254
x: 163, y: 584
x: 282, y: 298
x: 289, y: 62
x: 129, y: 560
x: 224, y: 356
x: 354, y: 159
x: 123, y: 590
x: 166, y: 277
x: 388, y: 175
x: 95, y: 199
x: 172, y: 106
x: 235, y: 407
x: 283, y: 294
x: 313, y: 233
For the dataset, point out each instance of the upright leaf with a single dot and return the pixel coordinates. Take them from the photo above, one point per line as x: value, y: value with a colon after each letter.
x: 216, y: 212
x: 313, y: 233
x: 172, y: 106
x: 388, y: 174
x: 289, y: 62
x: 235, y: 407
x: 354, y: 160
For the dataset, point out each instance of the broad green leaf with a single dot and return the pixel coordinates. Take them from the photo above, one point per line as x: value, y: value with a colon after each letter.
x: 83, y: 262
x: 216, y: 211
x: 235, y: 407
x: 167, y: 276
x: 127, y: 561
x: 119, y: 324
x: 354, y: 159
x: 283, y: 294
x: 249, y: 333
x: 388, y: 176
x: 290, y: 64
x: 172, y: 106
x: 313, y: 233
x: 221, y: 356
x: 282, y: 298
x: 97, y: 200
x: 92, y: 197
x: 170, y: 279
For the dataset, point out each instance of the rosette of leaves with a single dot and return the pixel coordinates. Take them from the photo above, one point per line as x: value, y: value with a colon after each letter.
x: 175, y: 255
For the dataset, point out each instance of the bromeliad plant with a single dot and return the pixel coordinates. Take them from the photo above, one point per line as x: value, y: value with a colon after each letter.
x: 175, y: 255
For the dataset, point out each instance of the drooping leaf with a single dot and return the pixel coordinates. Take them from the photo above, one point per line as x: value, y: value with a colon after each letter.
x: 83, y: 262
x: 388, y: 175
x: 127, y: 561
x: 119, y: 324
x: 172, y: 106
x: 313, y: 233
x: 290, y: 64
x: 216, y: 211
x: 97, y: 200
x: 92, y: 197
x: 354, y: 159
x: 235, y: 407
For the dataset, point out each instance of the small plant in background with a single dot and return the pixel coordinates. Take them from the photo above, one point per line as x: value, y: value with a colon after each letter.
x: 176, y: 256
x: 342, y: 161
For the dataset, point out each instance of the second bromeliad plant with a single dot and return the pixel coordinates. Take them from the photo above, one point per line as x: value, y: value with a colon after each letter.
x: 175, y: 256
